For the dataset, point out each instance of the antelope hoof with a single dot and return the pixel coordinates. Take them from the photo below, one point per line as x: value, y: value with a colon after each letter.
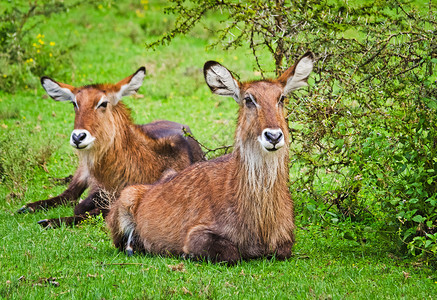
x: 25, y: 209
x: 129, y: 252
x: 45, y: 223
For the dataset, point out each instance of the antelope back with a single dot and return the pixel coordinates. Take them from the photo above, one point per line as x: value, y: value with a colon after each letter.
x: 97, y: 108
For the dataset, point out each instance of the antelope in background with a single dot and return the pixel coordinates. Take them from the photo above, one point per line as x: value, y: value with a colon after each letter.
x: 234, y: 207
x: 114, y: 152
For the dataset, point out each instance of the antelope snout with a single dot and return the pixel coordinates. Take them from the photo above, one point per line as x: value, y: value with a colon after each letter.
x: 81, y: 139
x: 272, y: 139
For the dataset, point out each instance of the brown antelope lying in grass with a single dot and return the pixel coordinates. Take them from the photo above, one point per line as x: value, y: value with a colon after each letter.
x: 114, y: 152
x: 234, y: 207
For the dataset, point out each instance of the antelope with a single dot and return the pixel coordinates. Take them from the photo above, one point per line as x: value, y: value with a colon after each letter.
x: 234, y: 207
x: 113, y: 151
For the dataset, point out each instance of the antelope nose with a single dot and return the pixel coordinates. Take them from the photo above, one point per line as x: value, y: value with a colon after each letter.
x: 273, y: 137
x: 78, y: 138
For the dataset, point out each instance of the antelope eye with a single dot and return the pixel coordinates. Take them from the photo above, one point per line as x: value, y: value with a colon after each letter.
x: 248, y: 100
x: 103, y: 104
x: 282, y: 100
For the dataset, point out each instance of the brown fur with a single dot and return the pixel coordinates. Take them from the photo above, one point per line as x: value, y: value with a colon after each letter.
x: 234, y: 207
x: 122, y: 154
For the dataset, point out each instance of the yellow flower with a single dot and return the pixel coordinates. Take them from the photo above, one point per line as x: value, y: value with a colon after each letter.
x: 39, y: 36
x: 41, y: 41
x: 35, y: 45
x: 29, y: 60
x: 52, y: 43
x: 50, y: 54
x: 4, y: 75
x: 37, y: 51
x: 139, y: 13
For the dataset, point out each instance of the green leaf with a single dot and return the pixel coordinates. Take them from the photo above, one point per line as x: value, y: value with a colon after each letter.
x: 410, y: 214
x: 414, y: 200
x: 432, y: 104
x: 311, y: 207
x: 432, y: 237
x: 398, y: 157
x: 394, y: 201
x: 339, y: 143
x: 418, y: 219
x: 432, y: 201
x: 407, y: 234
x: 348, y: 235
x: 332, y: 214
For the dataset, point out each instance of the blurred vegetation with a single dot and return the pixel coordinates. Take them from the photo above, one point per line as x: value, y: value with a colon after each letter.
x: 19, y: 159
x: 364, y: 134
x: 24, y: 55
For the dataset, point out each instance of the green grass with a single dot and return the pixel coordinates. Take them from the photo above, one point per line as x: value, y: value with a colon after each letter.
x: 85, y: 265
x: 80, y: 262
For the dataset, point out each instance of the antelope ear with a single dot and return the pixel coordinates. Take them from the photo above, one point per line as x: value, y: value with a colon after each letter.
x: 297, y: 75
x: 58, y: 91
x: 221, y: 81
x: 130, y: 85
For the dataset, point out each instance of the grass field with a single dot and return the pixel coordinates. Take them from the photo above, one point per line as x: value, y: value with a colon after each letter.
x: 80, y: 262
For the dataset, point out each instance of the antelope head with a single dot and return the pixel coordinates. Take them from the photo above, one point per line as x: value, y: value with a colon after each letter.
x: 261, y: 121
x: 94, y: 106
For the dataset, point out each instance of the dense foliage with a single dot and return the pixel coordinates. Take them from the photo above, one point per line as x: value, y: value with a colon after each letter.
x: 364, y: 134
